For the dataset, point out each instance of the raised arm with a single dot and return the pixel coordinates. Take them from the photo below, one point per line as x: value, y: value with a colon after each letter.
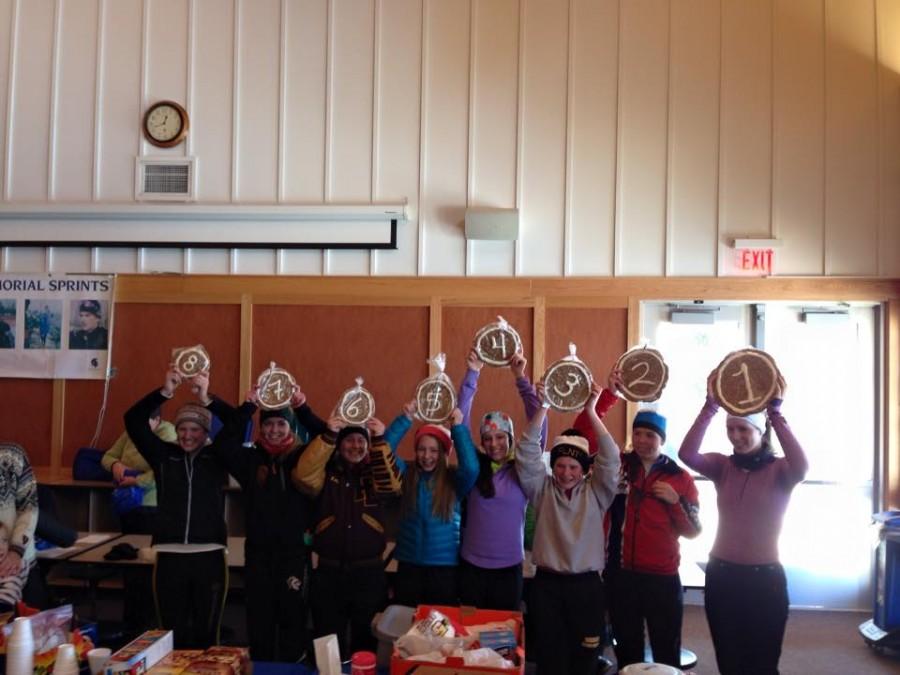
x: 468, y: 467
x: 309, y: 471
x: 527, y: 392
x: 306, y: 418
x: 710, y: 464
x: 152, y: 448
x: 398, y: 429
x: 607, y: 460
x: 606, y: 401
x: 385, y: 472
x: 797, y: 462
x: 469, y: 385
x: 530, y: 467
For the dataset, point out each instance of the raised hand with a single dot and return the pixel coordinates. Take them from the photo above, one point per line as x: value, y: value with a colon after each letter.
x: 335, y: 424
x: 456, y: 417
x: 200, y: 386
x: 518, y: 364
x: 253, y: 395
x: 614, y: 380
x: 375, y: 427
x: 298, y: 398
x: 172, y: 381
x: 473, y: 361
x: 410, y: 408
x: 591, y: 404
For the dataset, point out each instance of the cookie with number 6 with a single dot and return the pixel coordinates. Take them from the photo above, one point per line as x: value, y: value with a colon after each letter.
x: 745, y: 381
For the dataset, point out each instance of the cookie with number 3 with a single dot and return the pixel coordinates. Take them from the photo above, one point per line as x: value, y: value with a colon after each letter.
x: 190, y: 361
x: 746, y: 381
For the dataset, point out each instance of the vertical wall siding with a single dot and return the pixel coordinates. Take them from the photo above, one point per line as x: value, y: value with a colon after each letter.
x: 635, y: 138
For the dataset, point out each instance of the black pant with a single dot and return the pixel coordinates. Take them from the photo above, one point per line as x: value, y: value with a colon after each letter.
x: 276, y: 607
x: 747, y: 610
x: 657, y: 599
x: 189, y: 589
x: 569, y: 613
x: 137, y: 615
x: 353, y: 595
x: 425, y: 585
x: 486, y: 588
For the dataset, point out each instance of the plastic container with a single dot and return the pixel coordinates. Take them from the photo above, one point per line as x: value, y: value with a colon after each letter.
x: 362, y: 663
x: 387, y: 626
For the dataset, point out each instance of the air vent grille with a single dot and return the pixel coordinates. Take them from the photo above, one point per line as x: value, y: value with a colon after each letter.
x: 167, y: 178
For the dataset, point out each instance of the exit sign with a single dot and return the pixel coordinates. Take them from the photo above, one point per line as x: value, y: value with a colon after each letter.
x: 753, y: 262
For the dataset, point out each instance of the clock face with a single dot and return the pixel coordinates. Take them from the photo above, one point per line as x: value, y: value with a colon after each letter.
x: 165, y: 124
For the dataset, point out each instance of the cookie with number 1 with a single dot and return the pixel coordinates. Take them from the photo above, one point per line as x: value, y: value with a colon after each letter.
x: 745, y: 381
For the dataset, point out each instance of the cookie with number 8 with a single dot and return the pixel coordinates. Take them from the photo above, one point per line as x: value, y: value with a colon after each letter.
x: 190, y: 361
x: 745, y: 381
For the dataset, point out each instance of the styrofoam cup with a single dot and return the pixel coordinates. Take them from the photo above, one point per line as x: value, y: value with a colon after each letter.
x: 97, y: 659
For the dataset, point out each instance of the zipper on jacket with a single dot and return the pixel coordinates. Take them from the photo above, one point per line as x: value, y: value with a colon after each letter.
x: 189, y: 471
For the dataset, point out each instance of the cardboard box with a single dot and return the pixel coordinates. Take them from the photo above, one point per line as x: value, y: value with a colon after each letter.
x: 142, y: 653
x: 465, y: 616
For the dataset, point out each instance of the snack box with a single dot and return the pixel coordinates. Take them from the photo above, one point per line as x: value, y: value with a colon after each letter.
x: 463, y: 616
x: 218, y: 660
x: 141, y: 654
x: 176, y: 661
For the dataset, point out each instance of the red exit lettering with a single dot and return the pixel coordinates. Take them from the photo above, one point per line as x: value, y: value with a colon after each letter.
x: 757, y: 260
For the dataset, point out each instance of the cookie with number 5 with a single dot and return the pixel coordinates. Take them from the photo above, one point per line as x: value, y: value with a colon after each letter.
x: 745, y: 381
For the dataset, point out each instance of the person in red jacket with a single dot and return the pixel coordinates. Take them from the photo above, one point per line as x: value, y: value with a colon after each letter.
x: 661, y: 506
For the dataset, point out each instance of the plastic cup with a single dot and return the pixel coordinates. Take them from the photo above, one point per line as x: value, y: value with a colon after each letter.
x: 97, y: 659
x: 362, y: 663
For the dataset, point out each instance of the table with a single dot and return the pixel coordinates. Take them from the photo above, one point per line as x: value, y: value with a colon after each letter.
x: 95, y: 555
x: 85, y: 542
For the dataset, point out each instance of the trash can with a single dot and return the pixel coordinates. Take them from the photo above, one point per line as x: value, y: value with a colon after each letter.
x: 887, y: 571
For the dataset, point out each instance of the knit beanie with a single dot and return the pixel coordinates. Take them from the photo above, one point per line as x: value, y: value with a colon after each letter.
x: 576, y: 447
x: 648, y: 419
x: 349, y: 431
x: 756, y: 420
x: 441, y: 433
x: 497, y: 421
x: 192, y: 412
x: 283, y: 413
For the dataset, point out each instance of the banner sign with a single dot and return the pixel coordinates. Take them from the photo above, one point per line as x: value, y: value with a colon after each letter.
x: 55, y: 326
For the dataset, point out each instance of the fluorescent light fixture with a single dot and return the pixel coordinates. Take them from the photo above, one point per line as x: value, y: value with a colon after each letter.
x: 693, y: 314
x: 824, y: 315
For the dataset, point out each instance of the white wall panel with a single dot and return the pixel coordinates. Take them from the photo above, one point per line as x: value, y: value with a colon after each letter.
x: 492, y: 129
x: 643, y: 119
x: 73, y: 169
x: 6, y: 44
x: 299, y: 261
x: 542, y: 136
x: 851, y: 136
x: 593, y: 113
x: 888, y: 13
x: 798, y: 180
x: 161, y: 260
x: 745, y: 160
x: 120, y: 114
x: 167, y: 60
x: 124, y: 260
x: 30, y: 118
x: 259, y: 59
x: 208, y: 261
x: 253, y: 261
x: 397, y: 96
x: 350, y: 141
x: 693, y: 196
x: 303, y: 153
x: 445, y: 96
x: 77, y: 259
x: 211, y: 98
x: 25, y: 259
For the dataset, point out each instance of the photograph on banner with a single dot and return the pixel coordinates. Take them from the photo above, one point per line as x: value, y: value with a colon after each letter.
x: 7, y: 323
x: 55, y: 326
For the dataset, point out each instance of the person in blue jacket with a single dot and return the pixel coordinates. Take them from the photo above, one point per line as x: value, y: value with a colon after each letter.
x: 432, y: 491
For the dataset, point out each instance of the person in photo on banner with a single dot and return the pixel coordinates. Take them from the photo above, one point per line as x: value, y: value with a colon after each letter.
x: 18, y: 520
x: 190, y: 576
x: 90, y: 333
x: 569, y: 550
x: 492, y: 551
x: 746, y: 594
x: 428, y: 538
x: 350, y: 472
x: 278, y: 516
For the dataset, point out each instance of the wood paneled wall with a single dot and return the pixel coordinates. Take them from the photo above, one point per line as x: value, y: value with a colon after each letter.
x: 636, y: 137
x: 328, y: 331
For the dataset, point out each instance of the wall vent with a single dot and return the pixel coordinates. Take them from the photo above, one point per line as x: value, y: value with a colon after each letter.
x: 165, y: 179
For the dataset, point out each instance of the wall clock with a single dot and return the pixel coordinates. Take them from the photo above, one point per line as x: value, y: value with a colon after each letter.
x: 165, y: 124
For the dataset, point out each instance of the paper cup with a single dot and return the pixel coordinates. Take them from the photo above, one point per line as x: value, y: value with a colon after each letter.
x: 97, y: 659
